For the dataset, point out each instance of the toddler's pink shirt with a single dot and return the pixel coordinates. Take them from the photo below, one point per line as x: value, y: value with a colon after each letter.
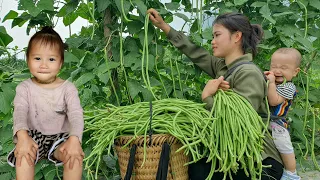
x: 50, y: 111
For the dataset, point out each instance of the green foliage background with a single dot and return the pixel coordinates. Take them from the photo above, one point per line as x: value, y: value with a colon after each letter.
x: 104, y: 59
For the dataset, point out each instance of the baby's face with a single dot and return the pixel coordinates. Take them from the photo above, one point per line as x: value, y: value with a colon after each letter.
x: 44, y: 62
x: 284, y: 65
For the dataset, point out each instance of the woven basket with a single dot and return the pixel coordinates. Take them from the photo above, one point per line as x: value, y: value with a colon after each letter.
x: 176, y: 168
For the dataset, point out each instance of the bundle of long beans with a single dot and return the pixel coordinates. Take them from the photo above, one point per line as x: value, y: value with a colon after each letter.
x: 237, y: 136
x: 188, y: 121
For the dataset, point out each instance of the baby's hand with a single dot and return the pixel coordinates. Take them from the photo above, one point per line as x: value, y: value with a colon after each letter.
x: 71, y: 151
x: 270, y: 76
x: 26, y: 147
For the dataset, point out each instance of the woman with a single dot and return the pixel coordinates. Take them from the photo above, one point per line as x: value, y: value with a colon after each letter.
x: 234, y: 45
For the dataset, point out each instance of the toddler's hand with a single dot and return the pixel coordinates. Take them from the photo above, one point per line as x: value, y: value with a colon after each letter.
x: 270, y: 76
x: 26, y: 147
x: 71, y: 151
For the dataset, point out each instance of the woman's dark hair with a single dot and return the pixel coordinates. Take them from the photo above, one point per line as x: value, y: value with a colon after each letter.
x: 251, y: 33
x: 47, y: 36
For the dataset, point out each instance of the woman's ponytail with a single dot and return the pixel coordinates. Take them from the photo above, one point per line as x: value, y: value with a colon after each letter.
x: 256, y: 37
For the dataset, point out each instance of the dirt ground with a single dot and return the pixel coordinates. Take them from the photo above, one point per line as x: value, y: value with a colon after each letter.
x: 310, y: 175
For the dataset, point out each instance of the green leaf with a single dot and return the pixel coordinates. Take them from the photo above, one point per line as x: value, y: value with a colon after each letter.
x: 34, y: 12
x: 194, y: 26
x: 37, y: 169
x: 82, y: 58
x: 126, y: 6
x: 83, y: 12
x: 179, y: 94
x: 130, y: 44
x: 304, y: 2
x: 25, y: 5
x: 229, y: 4
x: 38, y: 176
x: 19, y: 21
x: 113, y: 65
x: 94, y: 88
x: 6, y: 176
x: 69, y: 57
x: 264, y: 10
x: 71, y: 6
x: 282, y: 14
x: 268, y: 47
x: 147, y: 95
x: 275, y: 3
x: 101, y: 69
x: 5, y: 106
x: 75, y: 72
x: 315, y: 4
x: 270, y: 19
x: 305, y: 42
x: 75, y: 42
x: 154, y: 82
x: 298, y: 112
x: 131, y: 58
x: 313, y: 97
x: 135, y: 26
x: 11, y: 15
x: 104, y: 77
x: 103, y: 4
x: 258, y: 4
x: 5, y: 135
x: 197, y: 38
x: 5, y: 39
x: 168, y: 19
x: 182, y: 16
x: 86, y: 96
x: 9, y: 91
x: 150, y: 35
x: 84, y: 79
x: 173, y: 6
x: 110, y: 161
x: 150, y: 62
x: 62, y: 12
x: 267, y: 34
x: 207, y: 33
x: 239, y: 2
x: 289, y: 30
x: 69, y: 19
x: 141, y: 6
x: 5, y: 167
x: 287, y: 41
x: 134, y: 88
x: 45, y: 5
x: 49, y: 172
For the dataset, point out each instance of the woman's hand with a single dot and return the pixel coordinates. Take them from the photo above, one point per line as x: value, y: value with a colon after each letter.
x: 213, y: 85
x: 26, y: 147
x: 157, y: 20
x: 224, y: 85
x: 71, y: 151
